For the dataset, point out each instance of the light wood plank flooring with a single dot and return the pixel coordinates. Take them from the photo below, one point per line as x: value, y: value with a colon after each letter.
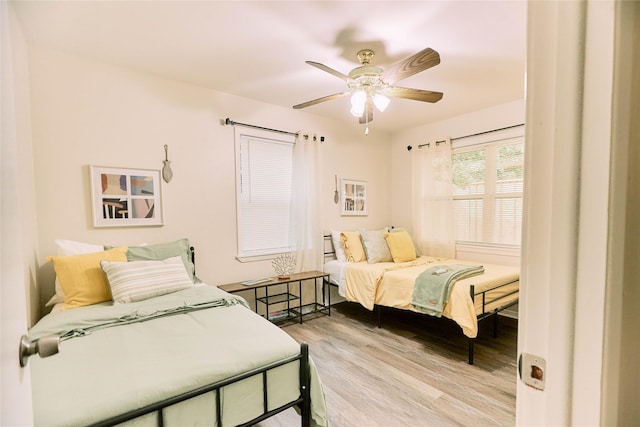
x: 412, y: 372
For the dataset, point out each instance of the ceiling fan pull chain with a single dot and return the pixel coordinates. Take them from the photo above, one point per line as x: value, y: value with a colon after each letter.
x: 366, y: 119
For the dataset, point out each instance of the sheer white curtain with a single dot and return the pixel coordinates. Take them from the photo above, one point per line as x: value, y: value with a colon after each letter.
x: 305, y: 206
x: 433, y: 221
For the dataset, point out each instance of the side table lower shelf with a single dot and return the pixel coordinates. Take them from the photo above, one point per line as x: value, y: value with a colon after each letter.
x: 295, y: 309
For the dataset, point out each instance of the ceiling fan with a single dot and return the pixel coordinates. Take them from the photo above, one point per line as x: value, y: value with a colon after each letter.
x: 371, y: 86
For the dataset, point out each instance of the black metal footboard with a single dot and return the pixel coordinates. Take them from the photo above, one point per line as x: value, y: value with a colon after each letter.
x: 484, y: 313
x: 486, y: 301
x: 303, y: 402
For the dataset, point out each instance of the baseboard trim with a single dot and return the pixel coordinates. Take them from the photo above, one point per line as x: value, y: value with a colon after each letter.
x: 509, y: 314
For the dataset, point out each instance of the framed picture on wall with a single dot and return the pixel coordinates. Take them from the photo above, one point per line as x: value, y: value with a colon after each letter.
x: 354, y: 197
x: 125, y: 197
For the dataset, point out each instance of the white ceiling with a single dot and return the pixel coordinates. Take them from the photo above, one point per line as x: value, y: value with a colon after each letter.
x: 258, y: 49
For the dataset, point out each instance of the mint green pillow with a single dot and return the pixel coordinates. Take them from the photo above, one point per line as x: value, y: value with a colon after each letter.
x: 162, y: 251
x: 375, y: 246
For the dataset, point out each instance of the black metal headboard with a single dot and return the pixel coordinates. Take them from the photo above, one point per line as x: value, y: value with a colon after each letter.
x: 329, y: 251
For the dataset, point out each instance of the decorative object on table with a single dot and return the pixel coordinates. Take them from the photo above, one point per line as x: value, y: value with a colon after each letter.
x: 336, y: 195
x: 125, y: 197
x: 167, y: 173
x: 284, y: 264
x: 354, y: 197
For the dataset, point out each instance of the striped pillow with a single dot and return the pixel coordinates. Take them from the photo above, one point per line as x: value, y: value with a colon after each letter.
x: 139, y: 280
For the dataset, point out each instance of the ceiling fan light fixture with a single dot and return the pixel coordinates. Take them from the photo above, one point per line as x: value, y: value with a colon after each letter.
x: 381, y: 102
x: 358, y: 101
x: 370, y: 85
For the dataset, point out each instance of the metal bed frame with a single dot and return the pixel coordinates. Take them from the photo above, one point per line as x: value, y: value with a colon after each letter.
x: 485, y: 314
x: 303, y: 402
x: 486, y: 301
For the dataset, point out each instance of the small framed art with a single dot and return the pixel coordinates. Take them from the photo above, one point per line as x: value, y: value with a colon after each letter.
x: 124, y: 197
x: 354, y: 197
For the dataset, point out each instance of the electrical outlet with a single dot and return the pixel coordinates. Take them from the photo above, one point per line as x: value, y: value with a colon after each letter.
x: 533, y: 370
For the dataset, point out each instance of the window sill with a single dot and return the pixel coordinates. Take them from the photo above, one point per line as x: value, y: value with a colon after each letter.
x: 503, y: 250
x: 253, y: 258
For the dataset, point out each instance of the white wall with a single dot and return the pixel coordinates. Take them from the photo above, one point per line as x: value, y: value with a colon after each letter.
x: 497, y: 117
x: 91, y: 113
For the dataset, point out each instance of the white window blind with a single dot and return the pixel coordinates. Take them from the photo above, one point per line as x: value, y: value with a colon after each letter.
x: 264, y: 173
x: 487, y: 192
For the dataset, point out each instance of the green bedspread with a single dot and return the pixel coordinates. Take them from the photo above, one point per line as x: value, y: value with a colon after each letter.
x: 83, y: 320
x: 433, y: 286
x: 116, y: 358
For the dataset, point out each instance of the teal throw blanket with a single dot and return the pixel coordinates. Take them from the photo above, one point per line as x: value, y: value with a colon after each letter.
x: 433, y: 286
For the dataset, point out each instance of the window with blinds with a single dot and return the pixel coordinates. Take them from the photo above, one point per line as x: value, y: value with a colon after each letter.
x: 487, y: 192
x: 264, y: 174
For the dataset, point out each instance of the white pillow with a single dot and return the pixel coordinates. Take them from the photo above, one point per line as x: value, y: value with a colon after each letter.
x: 338, y: 245
x: 70, y: 248
x: 139, y: 280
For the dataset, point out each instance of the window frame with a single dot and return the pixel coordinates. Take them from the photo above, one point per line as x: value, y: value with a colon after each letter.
x: 491, y: 142
x: 241, y: 134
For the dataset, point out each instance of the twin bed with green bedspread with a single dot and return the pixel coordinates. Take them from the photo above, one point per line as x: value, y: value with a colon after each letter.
x: 115, y: 360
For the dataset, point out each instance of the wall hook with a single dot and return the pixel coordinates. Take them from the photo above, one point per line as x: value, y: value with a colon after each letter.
x: 167, y: 173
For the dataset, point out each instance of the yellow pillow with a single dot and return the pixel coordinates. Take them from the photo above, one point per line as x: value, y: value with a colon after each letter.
x: 353, y: 249
x: 81, y: 277
x: 399, y: 229
x: 401, y: 246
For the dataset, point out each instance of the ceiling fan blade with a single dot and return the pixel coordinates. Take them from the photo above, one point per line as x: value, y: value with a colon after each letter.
x: 421, y: 61
x: 329, y: 70
x: 367, y: 116
x: 319, y: 100
x: 415, y: 94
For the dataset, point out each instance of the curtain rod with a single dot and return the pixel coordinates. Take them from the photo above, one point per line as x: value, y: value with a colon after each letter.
x: 228, y: 121
x: 468, y: 136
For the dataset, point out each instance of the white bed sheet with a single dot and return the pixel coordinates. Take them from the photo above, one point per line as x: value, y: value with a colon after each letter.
x: 337, y: 271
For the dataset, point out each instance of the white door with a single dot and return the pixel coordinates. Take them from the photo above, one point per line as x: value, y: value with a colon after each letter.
x: 573, y: 109
x: 15, y: 391
x: 15, y: 394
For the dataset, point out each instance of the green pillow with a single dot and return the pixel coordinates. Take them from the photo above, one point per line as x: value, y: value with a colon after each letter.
x: 162, y: 251
x: 375, y: 246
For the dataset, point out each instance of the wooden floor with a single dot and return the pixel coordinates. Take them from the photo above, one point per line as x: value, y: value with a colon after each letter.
x: 412, y: 372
